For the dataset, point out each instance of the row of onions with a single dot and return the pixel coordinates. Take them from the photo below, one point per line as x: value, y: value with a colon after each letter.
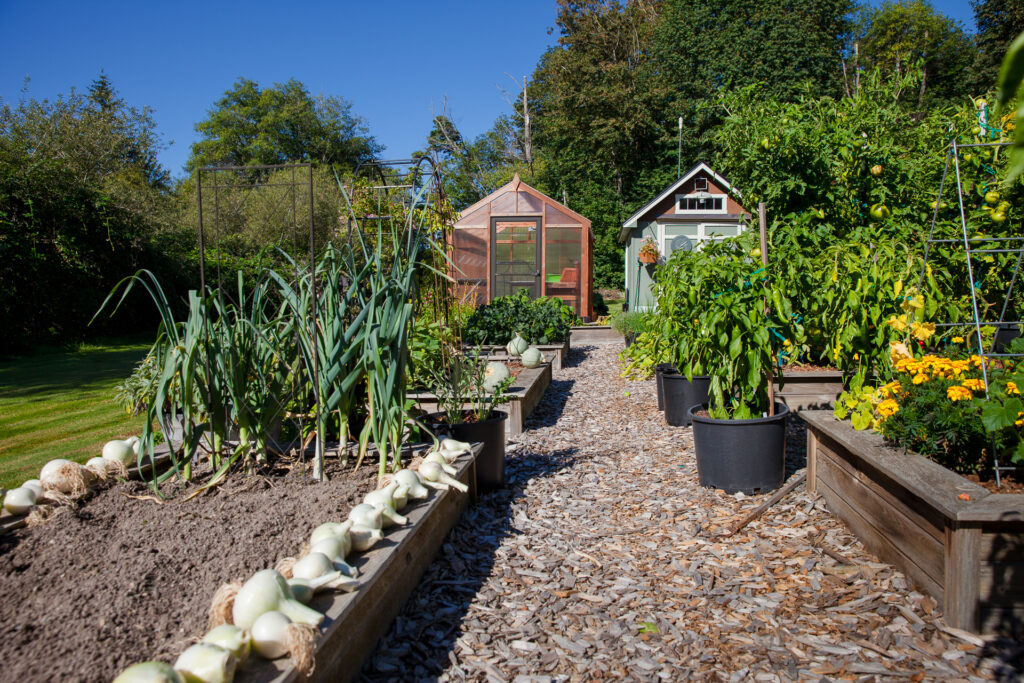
x: 61, y: 481
x: 314, y: 343
x: 270, y: 614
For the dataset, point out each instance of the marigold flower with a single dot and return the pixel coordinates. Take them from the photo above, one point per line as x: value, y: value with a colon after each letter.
x: 1011, y: 388
x: 957, y: 340
x: 888, y: 407
x: 920, y: 378
x: 973, y: 384
x: 958, y: 393
x: 1020, y: 420
x: 976, y: 360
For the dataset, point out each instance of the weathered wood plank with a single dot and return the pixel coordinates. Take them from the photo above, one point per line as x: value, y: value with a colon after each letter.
x: 922, y: 478
x: 812, y: 462
x: 1001, y: 507
x: 1000, y: 583
x: 591, y: 334
x: 390, y: 571
x: 916, y: 511
x: 960, y: 598
x: 877, y: 541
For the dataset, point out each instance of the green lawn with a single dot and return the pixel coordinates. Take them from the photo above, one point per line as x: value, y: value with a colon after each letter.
x: 60, y: 405
x: 614, y: 306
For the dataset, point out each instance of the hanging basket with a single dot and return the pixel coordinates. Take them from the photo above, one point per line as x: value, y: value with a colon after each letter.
x: 647, y: 257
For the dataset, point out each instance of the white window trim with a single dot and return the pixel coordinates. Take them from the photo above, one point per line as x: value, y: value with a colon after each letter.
x: 704, y: 234
x: 707, y: 195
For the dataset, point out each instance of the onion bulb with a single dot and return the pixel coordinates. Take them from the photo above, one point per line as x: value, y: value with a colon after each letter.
x: 150, y: 672
x: 301, y: 589
x: 121, y: 451
x: 231, y: 638
x: 412, y: 482
x: 367, y: 516
x: 364, y: 538
x: 436, y: 457
x: 317, y: 572
x: 20, y: 501
x: 434, y: 475
x: 329, y: 530
x: 274, y: 635
x: 335, y: 549
x: 384, y: 502
x: 207, y: 663
x: 452, y: 449
x: 65, y: 477
x: 267, y: 591
x: 35, y: 485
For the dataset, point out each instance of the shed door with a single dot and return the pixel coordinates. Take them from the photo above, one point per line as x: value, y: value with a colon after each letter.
x: 516, y: 256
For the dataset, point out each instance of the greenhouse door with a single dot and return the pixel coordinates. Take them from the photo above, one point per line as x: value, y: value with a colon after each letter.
x: 515, y: 256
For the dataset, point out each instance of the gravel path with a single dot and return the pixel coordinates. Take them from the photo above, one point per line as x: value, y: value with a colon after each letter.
x: 599, y: 560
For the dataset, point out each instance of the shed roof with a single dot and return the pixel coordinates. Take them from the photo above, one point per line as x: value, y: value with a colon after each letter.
x: 631, y: 222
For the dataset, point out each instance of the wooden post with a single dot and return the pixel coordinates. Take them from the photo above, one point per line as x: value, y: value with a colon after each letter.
x: 960, y: 589
x: 763, y: 224
x: 812, y: 462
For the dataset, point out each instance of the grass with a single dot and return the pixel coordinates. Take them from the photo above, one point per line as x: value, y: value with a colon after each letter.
x: 614, y: 306
x: 59, y: 404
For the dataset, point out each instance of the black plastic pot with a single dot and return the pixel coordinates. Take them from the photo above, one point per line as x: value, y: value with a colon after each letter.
x: 680, y: 394
x: 740, y: 455
x: 490, y: 464
x: 629, y: 338
x: 659, y: 371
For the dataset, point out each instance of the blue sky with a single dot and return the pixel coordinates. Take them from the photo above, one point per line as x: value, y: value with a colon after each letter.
x: 396, y: 61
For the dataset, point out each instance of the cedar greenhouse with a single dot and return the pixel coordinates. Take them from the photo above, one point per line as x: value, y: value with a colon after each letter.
x: 517, y: 237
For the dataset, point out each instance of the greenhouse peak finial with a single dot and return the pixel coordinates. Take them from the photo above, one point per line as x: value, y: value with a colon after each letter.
x: 516, y: 182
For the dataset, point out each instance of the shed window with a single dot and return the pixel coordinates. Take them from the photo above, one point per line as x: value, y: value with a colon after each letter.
x: 700, y: 202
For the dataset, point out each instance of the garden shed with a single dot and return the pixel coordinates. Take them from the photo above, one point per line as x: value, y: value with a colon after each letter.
x: 519, y: 238
x: 698, y: 207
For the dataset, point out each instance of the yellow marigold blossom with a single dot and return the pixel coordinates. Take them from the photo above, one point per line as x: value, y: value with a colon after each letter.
x: 976, y: 360
x: 920, y: 378
x: 958, y: 340
x: 1020, y: 420
x: 974, y: 384
x: 923, y: 330
x: 1011, y: 388
x: 903, y: 364
x: 958, y: 393
x: 888, y: 407
x: 891, y: 389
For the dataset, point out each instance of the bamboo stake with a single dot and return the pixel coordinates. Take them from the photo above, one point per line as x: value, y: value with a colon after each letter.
x: 763, y: 224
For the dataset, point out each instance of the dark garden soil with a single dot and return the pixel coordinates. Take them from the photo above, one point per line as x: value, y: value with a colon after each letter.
x: 1010, y: 482
x: 121, y: 580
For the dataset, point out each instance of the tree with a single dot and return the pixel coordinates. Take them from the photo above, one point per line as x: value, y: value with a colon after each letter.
x: 998, y: 23
x: 911, y: 35
x: 281, y: 124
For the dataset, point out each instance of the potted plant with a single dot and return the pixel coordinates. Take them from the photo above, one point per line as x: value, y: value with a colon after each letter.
x: 468, y: 392
x: 631, y: 324
x: 736, y: 334
x: 649, y: 253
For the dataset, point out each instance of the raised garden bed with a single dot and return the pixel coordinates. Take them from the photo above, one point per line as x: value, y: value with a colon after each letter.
x: 555, y: 353
x: 524, y: 395
x: 810, y: 389
x: 958, y: 542
x: 590, y: 334
x: 125, y: 577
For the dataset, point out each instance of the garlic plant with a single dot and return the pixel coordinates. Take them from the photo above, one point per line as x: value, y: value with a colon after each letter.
x: 330, y: 530
x: 207, y: 663
x: 35, y: 485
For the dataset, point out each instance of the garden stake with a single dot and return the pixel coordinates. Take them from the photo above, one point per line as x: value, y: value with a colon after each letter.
x: 763, y: 224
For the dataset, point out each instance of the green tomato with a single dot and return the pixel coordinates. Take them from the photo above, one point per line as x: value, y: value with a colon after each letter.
x: 765, y: 143
x: 991, y: 197
x: 968, y: 157
x: 880, y: 211
x: 976, y: 130
x: 998, y: 217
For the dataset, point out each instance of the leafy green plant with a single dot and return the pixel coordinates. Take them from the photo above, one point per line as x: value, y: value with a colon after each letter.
x: 463, y: 382
x: 631, y: 322
x: 545, y: 320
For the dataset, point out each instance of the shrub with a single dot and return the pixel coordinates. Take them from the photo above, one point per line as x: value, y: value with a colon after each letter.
x: 600, y: 307
x: 540, y: 321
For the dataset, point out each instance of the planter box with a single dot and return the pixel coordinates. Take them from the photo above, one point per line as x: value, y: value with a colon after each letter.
x: 815, y: 389
x: 554, y: 353
x: 388, y: 574
x: 524, y: 395
x: 594, y: 334
x: 967, y: 554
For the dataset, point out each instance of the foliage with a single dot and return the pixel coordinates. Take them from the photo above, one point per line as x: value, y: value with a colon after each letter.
x: 1011, y: 75
x: 600, y: 307
x: 631, y: 322
x: 461, y: 382
x: 280, y: 124
x: 998, y: 23
x: 910, y: 35
x: 936, y: 406
x: 545, y: 320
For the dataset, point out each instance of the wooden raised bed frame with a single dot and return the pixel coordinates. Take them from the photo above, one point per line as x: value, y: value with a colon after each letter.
x: 810, y: 390
x: 591, y: 334
x: 388, y: 572
x: 525, y: 393
x: 968, y: 554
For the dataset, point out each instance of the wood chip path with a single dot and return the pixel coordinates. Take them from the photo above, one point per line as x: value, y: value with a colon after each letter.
x: 599, y: 561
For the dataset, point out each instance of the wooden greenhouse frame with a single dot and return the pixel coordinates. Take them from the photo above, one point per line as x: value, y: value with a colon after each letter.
x: 517, y: 237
